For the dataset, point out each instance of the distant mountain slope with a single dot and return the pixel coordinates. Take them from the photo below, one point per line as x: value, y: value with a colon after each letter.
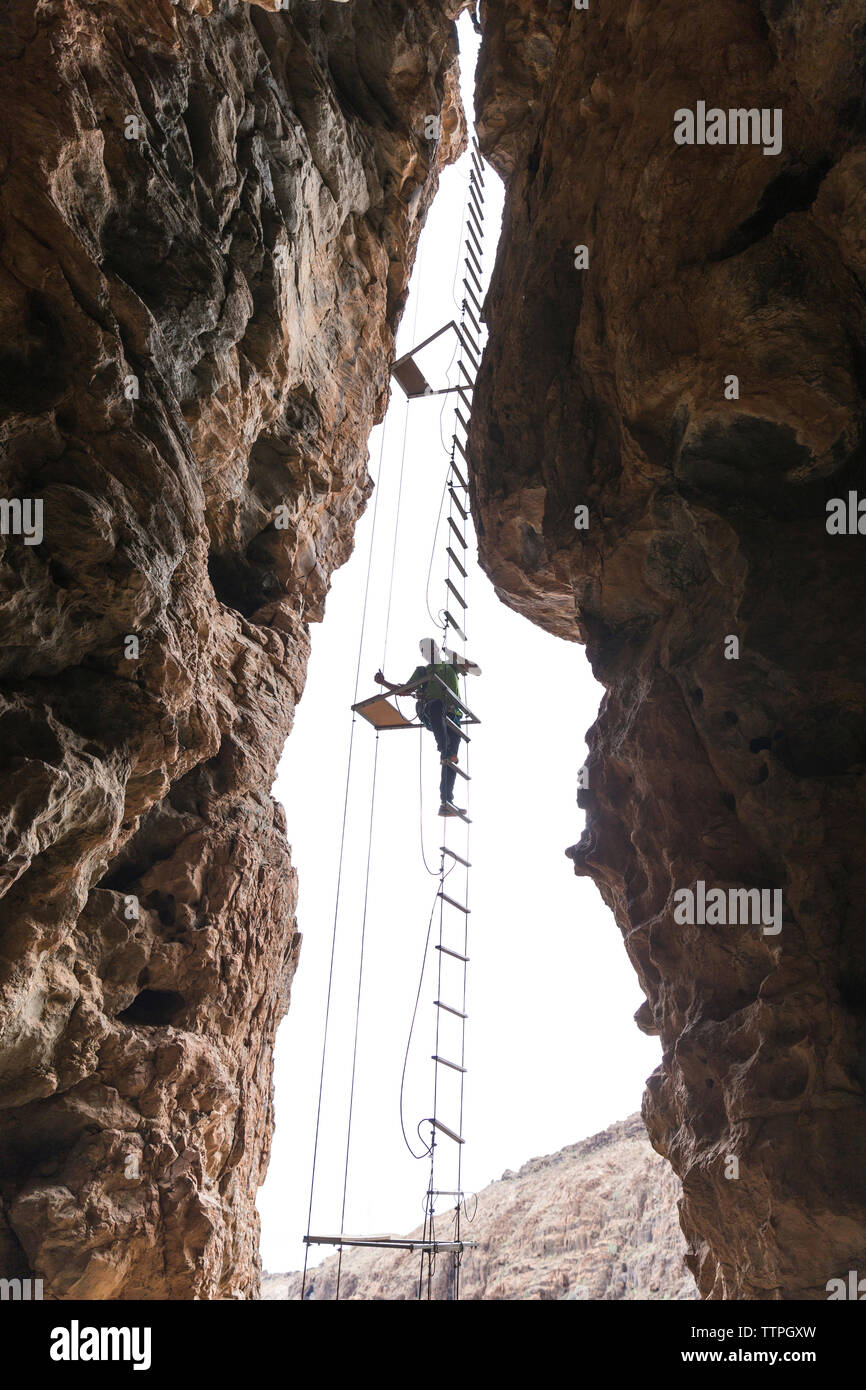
x: 598, y: 1220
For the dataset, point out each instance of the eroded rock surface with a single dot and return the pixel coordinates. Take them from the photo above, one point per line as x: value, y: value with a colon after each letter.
x: 209, y: 215
x: 597, y: 1220
x: 605, y: 387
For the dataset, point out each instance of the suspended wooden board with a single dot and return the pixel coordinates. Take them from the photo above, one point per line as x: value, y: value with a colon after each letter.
x: 379, y: 712
x: 411, y: 378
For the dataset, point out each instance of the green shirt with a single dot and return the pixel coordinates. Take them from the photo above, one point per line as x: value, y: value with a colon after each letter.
x: 432, y: 690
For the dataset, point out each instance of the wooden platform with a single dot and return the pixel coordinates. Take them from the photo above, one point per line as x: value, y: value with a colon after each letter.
x: 379, y: 712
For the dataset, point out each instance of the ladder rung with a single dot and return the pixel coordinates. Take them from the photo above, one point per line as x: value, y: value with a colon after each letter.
x: 453, y: 902
x: 472, y: 319
x: 443, y: 1061
x: 446, y: 950
x: 468, y: 384
x: 451, y: 1135
x: 461, y: 773
x: 454, y: 700
x: 450, y: 553
x: 456, y: 529
x: 464, y: 862
x: 470, y: 348
x: 470, y: 380
x: 468, y: 288
x: 464, y: 423
x: 468, y: 337
x: 448, y: 1009
x: 471, y: 273
x: 454, y: 591
x: 458, y: 504
x: 461, y: 448
x: 475, y: 260
x: 461, y: 480
x: 471, y: 232
x: 457, y: 730
x: 472, y: 352
x: 475, y: 188
x: 478, y: 165
x: 450, y: 622
x: 473, y: 212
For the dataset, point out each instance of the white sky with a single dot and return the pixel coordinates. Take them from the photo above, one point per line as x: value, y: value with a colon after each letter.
x: 552, y: 1051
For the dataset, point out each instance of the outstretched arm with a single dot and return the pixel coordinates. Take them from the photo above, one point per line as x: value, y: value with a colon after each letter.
x: 394, y: 689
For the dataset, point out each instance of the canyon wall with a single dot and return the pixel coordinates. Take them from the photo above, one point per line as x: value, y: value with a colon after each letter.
x: 209, y: 216
x: 607, y: 385
x: 597, y: 1220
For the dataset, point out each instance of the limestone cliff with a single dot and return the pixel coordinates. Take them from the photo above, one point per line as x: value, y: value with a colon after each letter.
x: 597, y: 1220
x: 610, y: 387
x: 209, y: 215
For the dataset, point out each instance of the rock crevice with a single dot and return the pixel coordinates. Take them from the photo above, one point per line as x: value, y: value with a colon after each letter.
x: 209, y: 217
x: 610, y: 387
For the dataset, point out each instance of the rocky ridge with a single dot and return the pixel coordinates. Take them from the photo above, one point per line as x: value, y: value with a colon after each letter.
x: 598, y: 1220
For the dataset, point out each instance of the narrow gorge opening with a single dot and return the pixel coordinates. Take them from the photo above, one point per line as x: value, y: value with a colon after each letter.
x: 554, y: 1055
x: 209, y: 213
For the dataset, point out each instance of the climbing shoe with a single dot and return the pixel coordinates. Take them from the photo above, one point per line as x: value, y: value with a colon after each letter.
x: 449, y: 809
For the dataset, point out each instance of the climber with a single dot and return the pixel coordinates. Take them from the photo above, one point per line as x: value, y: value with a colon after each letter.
x: 433, y: 706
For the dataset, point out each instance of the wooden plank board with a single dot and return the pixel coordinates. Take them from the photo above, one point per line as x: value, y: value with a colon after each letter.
x: 379, y: 712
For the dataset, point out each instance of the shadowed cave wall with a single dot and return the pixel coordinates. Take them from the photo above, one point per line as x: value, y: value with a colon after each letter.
x: 605, y: 387
x: 209, y: 217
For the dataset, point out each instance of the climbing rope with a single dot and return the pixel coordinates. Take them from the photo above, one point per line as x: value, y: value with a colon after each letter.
x: 342, y: 853
x: 455, y: 570
x: 358, y: 1009
x: 422, y: 973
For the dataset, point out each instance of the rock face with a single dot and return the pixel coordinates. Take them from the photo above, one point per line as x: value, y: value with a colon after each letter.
x: 610, y: 387
x: 597, y: 1220
x: 209, y: 215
